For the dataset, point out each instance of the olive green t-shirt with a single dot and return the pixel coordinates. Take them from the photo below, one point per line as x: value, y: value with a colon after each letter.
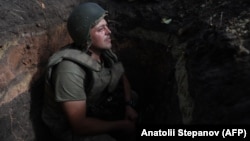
x: 68, y: 80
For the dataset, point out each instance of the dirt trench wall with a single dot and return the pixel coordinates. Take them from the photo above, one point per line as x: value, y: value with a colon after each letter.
x: 188, y: 60
x: 30, y: 31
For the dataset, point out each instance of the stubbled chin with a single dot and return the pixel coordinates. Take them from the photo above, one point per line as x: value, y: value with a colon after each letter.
x: 109, y: 44
x: 109, y: 47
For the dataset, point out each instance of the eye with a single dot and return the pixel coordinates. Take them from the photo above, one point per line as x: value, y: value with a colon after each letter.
x: 103, y: 28
x: 100, y: 29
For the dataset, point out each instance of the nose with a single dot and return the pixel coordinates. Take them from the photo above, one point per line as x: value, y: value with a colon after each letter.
x: 108, y: 31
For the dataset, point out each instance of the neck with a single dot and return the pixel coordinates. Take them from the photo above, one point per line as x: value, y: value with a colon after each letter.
x: 96, y: 54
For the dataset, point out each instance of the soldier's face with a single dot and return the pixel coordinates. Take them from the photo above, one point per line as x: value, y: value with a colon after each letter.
x: 100, y: 35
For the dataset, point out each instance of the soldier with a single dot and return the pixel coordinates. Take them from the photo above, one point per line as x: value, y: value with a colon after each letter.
x: 87, y: 94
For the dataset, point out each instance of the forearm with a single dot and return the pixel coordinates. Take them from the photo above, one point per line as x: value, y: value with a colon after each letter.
x: 85, y: 125
x: 127, y: 88
x: 130, y: 112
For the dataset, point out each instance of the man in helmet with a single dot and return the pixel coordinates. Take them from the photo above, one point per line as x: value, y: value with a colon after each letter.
x: 87, y: 94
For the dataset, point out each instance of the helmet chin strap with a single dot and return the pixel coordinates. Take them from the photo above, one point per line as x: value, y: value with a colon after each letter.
x: 89, y: 43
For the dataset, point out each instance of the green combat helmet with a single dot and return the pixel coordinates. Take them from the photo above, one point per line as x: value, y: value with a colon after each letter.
x: 82, y: 18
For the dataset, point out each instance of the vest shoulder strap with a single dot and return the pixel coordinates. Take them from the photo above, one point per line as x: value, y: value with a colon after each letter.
x: 76, y: 56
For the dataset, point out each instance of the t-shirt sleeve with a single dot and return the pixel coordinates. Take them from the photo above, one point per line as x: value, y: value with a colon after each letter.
x: 68, y: 79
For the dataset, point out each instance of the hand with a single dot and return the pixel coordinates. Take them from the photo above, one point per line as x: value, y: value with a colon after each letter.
x: 131, y: 114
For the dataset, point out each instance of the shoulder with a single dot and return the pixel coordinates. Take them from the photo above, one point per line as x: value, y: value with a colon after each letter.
x: 68, y: 66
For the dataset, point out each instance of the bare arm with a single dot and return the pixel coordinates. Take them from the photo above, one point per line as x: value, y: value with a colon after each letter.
x: 127, y: 88
x: 130, y: 114
x: 81, y: 124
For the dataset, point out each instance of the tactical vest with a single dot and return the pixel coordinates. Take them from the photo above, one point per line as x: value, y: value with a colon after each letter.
x: 91, y: 66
